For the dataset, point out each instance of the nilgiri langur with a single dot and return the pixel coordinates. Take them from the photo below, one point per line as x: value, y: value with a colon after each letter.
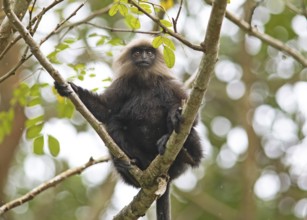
x: 140, y: 110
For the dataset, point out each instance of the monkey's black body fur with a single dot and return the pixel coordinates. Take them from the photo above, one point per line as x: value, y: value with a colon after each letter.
x: 140, y: 110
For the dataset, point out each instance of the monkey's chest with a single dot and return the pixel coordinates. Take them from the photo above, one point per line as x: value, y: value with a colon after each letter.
x: 147, y: 107
x: 144, y: 117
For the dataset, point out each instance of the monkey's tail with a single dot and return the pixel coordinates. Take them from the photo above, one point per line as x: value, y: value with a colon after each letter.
x: 163, y: 205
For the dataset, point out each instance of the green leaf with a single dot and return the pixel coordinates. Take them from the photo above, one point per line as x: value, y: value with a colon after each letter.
x: 115, y: 41
x: 157, y: 41
x: 61, y: 47
x: 38, y: 145
x: 146, y: 7
x: 169, y: 57
x: 33, y: 121
x: 53, y: 145
x: 34, y: 131
x: 166, y: 23
x: 52, y: 57
x: 101, y: 41
x: 35, y: 101
x: 123, y: 10
x: 93, y: 35
x: 65, y: 109
x: 168, y: 42
x: 133, y: 22
x: 113, y: 10
x: 70, y: 40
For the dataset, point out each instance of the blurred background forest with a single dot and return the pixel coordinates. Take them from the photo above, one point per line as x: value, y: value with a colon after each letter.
x: 253, y: 117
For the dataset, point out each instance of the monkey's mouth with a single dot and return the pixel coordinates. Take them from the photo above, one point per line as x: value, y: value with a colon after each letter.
x: 143, y: 63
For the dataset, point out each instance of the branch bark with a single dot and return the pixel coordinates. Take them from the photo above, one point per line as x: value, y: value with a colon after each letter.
x: 51, y: 183
x: 6, y: 29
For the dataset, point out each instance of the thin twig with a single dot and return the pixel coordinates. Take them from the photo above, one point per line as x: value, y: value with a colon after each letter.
x: 166, y: 30
x: 37, y: 17
x: 25, y: 58
x: 14, y: 69
x: 177, y: 16
x: 267, y: 39
x: 50, y: 183
x: 119, y: 29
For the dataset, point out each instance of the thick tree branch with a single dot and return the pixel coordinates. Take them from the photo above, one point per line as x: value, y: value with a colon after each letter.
x: 50, y: 183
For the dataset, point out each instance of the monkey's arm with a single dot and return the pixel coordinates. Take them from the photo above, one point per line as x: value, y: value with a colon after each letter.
x: 92, y: 101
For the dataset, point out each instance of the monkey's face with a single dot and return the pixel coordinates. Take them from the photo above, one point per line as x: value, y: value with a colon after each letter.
x: 143, y: 57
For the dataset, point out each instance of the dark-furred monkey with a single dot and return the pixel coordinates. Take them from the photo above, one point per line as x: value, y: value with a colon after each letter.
x: 140, y: 109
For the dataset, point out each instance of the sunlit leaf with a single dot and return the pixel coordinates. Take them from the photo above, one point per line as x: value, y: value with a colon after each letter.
x: 113, y: 10
x: 53, y: 145
x: 33, y: 121
x: 35, y: 101
x: 166, y: 23
x: 38, y: 145
x: 168, y: 42
x: 123, y: 10
x: 65, y: 109
x: 133, y: 22
x: 70, y: 40
x: 52, y: 57
x: 166, y: 4
x: 169, y: 57
x: 34, y: 131
x: 157, y: 41
x: 146, y: 7
x: 61, y: 47
x: 115, y: 41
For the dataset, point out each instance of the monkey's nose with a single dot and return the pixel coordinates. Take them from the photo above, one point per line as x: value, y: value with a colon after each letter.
x: 144, y: 55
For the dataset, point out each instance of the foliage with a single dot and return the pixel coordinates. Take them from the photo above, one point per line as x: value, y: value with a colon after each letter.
x: 253, y: 118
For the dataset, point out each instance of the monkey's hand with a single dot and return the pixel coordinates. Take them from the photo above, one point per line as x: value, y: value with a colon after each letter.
x: 175, y: 118
x: 123, y: 168
x: 64, y: 90
x: 161, y: 143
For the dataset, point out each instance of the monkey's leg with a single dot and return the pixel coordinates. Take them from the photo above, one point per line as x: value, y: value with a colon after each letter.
x: 163, y: 205
x: 192, y: 150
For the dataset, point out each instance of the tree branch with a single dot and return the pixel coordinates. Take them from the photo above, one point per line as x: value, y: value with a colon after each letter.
x: 277, y: 44
x: 6, y: 30
x: 50, y: 183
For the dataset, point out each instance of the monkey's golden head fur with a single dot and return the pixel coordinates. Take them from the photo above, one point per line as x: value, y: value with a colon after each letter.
x: 124, y: 65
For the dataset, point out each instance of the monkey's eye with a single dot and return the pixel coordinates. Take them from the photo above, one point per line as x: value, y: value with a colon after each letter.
x: 150, y: 53
x: 137, y: 53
